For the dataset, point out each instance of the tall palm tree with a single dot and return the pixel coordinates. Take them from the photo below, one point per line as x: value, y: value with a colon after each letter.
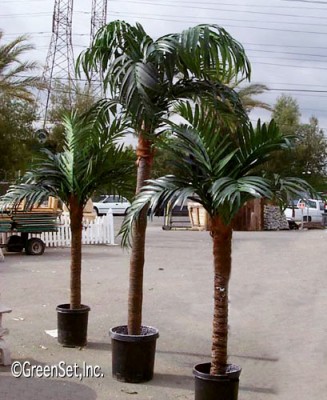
x: 91, y: 159
x: 147, y: 76
x: 15, y: 75
x: 246, y: 94
x: 220, y: 171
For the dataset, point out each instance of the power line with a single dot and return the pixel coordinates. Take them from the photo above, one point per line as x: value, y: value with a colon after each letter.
x: 269, y: 89
x: 209, y: 3
x: 307, y: 1
x: 142, y: 16
x: 287, y: 52
x: 219, y: 9
x: 290, y: 66
x: 252, y: 5
x: 273, y: 45
x: 297, y: 90
x: 287, y: 59
x: 240, y: 20
x: 282, y: 45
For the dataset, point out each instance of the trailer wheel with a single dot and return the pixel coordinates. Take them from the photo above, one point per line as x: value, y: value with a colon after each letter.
x: 15, y: 244
x: 34, y: 247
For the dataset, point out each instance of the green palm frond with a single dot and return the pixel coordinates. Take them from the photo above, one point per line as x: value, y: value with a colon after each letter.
x: 230, y: 194
x: 155, y: 194
x: 88, y: 162
x: 30, y: 195
x: 287, y: 188
x: 209, y: 52
x: 257, y: 145
x: 148, y: 76
x: 218, y: 166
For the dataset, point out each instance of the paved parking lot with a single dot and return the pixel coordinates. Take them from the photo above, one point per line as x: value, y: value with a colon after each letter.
x: 277, y: 315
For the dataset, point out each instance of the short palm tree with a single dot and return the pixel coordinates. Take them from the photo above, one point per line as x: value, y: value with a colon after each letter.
x: 91, y: 159
x: 147, y: 76
x: 220, y: 171
x: 15, y: 78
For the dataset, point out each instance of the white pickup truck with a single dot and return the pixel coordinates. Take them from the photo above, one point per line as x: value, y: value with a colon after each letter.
x: 308, y: 210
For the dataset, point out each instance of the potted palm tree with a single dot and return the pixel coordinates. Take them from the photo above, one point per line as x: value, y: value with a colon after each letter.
x: 221, y: 170
x: 146, y: 77
x: 90, y: 160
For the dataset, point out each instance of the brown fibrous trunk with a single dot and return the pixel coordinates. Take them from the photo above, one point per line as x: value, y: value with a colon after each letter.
x: 135, y: 296
x: 76, y: 220
x: 222, y: 248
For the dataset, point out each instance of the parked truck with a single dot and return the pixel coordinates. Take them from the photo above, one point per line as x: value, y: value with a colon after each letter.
x: 306, y: 210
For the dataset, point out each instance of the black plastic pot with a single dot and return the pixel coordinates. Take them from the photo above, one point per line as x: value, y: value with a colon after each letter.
x: 216, y: 387
x: 72, y: 325
x: 133, y: 355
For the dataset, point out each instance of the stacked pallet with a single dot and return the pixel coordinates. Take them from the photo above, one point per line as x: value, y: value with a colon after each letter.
x: 274, y: 219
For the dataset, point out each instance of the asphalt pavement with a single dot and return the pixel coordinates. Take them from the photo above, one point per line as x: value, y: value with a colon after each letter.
x: 278, y: 301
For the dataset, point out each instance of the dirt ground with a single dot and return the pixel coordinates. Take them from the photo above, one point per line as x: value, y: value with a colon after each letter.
x: 278, y: 300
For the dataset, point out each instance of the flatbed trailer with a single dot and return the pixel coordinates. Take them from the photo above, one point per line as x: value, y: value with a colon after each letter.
x: 20, y: 226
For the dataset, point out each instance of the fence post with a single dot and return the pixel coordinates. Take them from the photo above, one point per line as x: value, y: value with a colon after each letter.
x: 110, y: 224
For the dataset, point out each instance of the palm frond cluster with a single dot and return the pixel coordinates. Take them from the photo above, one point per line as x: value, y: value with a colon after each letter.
x: 91, y: 158
x: 216, y: 166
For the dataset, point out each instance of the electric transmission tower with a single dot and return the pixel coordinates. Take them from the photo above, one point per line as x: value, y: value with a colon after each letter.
x: 59, y: 66
x: 98, y: 20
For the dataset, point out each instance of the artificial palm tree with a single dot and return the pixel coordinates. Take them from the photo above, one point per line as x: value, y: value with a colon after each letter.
x: 147, y: 76
x: 221, y: 171
x: 91, y: 159
x: 15, y: 78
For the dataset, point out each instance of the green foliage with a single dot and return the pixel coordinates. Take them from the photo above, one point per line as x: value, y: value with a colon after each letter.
x: 307, y: 158
x: 63, y: 101
x: 147, y: 76
x: 286, y: 114
x: 17, y: 141
x: 91, y: 159
x: 219, y: 169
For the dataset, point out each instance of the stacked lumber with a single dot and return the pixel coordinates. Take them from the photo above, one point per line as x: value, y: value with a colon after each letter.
x: 34, y: 222
x: 5, y: 223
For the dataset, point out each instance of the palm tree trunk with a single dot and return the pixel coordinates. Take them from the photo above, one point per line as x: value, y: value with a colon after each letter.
x: 76, y: 218
x: 135, y: 296
x: 222, y: 248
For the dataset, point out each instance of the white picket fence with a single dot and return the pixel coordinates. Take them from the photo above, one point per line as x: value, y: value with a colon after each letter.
x: 98, y: 231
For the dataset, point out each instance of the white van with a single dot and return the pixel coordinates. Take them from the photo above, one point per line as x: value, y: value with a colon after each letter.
x: 308, y: 210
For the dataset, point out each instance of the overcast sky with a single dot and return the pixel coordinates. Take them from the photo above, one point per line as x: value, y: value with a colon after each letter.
x: 285, y: 40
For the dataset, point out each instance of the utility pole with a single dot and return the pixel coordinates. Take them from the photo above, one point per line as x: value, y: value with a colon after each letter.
x: 59, y: 65
x: 98, y: 20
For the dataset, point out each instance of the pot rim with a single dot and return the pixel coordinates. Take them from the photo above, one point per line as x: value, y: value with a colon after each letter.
x: 200, y: 371
x: 149, y: 333
x: 65, y: 308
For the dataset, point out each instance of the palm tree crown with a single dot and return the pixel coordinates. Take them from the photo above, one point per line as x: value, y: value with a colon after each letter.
x: 221, y: 171
x: 147, y: 75
x: 91, y: 158
x: 15, y: 78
